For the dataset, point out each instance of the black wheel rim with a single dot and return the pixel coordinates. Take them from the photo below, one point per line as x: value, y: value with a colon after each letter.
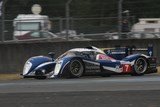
x: 140, y: 66
x: 76, y: 68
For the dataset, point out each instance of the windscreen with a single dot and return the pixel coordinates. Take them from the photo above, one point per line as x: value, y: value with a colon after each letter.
x: 27, y: 26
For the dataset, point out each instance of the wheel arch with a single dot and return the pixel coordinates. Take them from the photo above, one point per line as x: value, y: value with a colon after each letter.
x: 65, y: 71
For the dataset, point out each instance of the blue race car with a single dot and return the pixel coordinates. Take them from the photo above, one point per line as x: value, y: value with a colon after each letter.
x: 87, y: 61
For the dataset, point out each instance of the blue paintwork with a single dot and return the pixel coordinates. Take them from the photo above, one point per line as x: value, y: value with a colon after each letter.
x: 131, y: 57
x: 121, y: 52
x: 65, y: 60
x: 150, y: 50
x: 117, y: 53
x: 37, y: 61
x: 50, y: 65
x: 109, y: 63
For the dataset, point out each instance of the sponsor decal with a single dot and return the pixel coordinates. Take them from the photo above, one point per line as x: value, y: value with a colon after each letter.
x: 91, y: 66
x: 126, y: 68
x: 91, y: 62
x: 116, y: 69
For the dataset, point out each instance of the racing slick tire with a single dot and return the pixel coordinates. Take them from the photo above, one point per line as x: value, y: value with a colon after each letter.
x: 140, y: 66
x: 76, y: 68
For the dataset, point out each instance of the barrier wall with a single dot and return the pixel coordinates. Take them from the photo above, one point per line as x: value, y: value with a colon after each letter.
x: 14, y: 55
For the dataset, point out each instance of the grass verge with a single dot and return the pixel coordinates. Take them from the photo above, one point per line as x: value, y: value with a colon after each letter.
x: 158, y: 69
x: 9, y: 76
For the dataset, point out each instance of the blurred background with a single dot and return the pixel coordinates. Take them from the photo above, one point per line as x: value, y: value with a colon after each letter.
x: 79, y: 19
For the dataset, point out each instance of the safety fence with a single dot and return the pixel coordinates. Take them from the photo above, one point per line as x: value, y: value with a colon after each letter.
x: 77, y: 26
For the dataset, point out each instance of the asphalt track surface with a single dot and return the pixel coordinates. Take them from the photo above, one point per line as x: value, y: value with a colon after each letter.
x: 114, y: 91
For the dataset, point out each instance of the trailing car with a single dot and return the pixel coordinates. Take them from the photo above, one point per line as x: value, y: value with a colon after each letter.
x: 87, y: 61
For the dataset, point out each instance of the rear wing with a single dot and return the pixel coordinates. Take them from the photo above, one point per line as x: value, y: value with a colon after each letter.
x: 121, y: 52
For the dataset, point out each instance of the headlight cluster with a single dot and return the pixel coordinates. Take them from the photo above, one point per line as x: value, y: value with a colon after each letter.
x: 58, y: 67
x: 27, y: 67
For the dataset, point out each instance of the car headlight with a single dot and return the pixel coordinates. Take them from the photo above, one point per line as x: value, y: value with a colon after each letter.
x: 27, y: 67
x: 58, y: 67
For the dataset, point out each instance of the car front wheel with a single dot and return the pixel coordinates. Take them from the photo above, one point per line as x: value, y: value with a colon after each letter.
x: 76, y: 68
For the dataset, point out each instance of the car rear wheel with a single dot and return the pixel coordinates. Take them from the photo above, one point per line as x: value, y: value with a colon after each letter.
x: 76, y: 68
x: 140, y: 66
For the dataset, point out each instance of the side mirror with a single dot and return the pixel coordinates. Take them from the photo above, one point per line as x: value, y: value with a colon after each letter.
x: 51, y: 54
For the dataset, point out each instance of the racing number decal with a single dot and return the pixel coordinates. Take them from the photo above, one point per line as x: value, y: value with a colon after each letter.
x: 127, y: 68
